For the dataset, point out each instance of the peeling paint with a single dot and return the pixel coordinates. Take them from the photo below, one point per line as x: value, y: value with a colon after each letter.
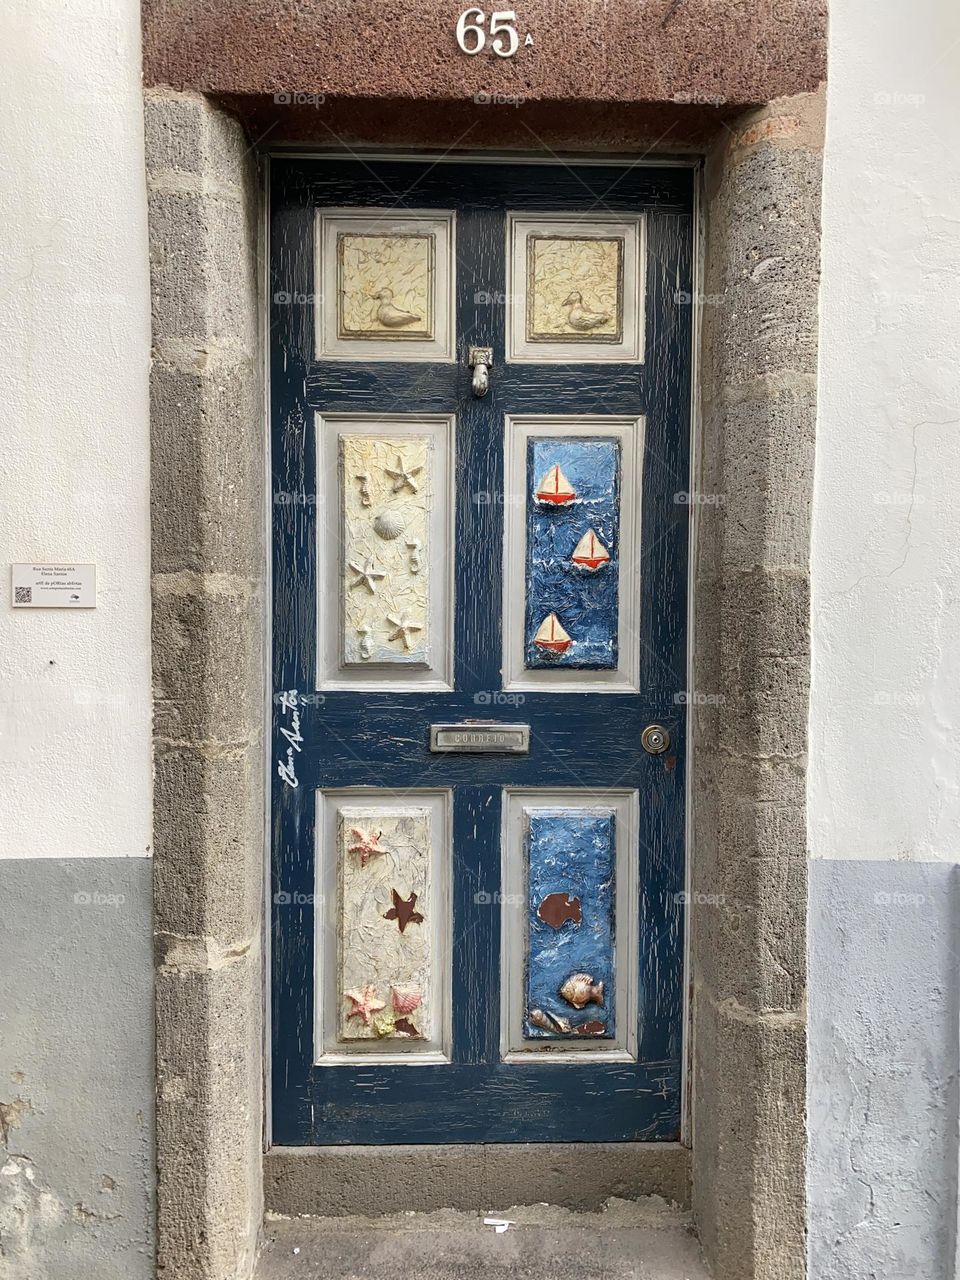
x: 11, y: 1114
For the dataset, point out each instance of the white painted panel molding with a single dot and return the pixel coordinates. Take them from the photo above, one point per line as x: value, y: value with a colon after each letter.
x: 385, y: 284
x: 575, y: 288
x: 519, y: 807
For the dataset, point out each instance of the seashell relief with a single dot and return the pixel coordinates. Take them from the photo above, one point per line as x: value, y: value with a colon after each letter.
x: 385, y: 496
x: 385, y: 972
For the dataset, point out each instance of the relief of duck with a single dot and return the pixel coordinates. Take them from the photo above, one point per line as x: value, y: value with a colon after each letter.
x: 390, y: 316
x: 581, y: 317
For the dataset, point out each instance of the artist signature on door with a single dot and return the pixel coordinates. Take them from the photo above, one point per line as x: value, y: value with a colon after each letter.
x: 289, y: 700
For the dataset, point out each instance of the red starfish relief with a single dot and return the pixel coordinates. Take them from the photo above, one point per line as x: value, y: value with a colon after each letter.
x: 403, y: 911
x: 365, y: 1004
x: 366, y: 844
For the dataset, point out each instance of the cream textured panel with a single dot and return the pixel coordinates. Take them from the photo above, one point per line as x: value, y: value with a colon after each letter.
x: 384, y: 905
x: 385, y: 502
x: 574, y: 289
x: 384, y: 284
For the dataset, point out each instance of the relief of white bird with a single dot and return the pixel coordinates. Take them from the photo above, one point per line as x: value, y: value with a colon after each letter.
x: 389, y: 316
x: 581, y: 317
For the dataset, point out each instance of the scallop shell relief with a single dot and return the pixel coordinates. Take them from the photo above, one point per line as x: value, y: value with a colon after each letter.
x: 389, y: 525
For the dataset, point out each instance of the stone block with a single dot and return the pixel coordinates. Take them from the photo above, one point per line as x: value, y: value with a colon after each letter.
x: 208, y: 1119
x: 764, y: 265
x: 748, y: 1187
x: 207, y: 643
x: 208, y: 869
x: 768, y: 448
x: 207, y: 468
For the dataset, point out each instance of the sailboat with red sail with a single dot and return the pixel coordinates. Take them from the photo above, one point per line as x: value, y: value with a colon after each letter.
x: 551, y: 635
x: 590, y: 553
x: 555, y: 488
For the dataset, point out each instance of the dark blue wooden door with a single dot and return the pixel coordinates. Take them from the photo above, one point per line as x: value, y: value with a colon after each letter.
x: 478, y: 607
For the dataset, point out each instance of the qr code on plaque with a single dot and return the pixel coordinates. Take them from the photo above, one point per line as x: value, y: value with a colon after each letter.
x: 23, y: 595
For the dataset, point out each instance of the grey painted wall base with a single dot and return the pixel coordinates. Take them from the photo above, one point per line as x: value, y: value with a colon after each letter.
x: 331, y: 1181
x: 883, y: 1069
x: 76, y: 1069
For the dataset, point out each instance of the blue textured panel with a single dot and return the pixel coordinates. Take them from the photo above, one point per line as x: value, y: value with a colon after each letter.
x: 571, y: 866
x: 581, y: 596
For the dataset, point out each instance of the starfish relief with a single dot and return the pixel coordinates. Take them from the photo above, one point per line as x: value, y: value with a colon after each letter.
x: 365, y: 1003
x: 367, y: 575
x: 404, y: 629
x: 366, y: 844
x: 403, y: 476
x: 403, y: 910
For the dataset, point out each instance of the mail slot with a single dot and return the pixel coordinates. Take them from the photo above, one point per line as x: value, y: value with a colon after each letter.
x: 478, y: 739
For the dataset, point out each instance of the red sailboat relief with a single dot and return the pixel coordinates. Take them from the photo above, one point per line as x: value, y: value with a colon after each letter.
x: 590, y: 553
x: 551, y: 635
x: 555, y: 488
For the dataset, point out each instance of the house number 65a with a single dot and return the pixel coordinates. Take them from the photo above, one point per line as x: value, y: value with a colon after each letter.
x: 504, y: 41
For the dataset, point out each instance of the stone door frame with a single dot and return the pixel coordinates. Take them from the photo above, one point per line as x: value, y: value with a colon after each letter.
x: 756, y: 363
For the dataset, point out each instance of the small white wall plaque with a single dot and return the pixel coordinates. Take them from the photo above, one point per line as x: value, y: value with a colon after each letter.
x: 54, y: 586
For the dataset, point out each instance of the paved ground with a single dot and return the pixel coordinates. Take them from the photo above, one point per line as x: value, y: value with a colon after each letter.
x: 644, y: 1240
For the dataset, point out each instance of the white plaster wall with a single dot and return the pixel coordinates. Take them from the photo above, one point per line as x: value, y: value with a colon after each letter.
x: 885, y: 706
x: 74, y: 350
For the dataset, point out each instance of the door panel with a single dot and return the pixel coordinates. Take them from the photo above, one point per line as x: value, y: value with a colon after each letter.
x: 478, y: 946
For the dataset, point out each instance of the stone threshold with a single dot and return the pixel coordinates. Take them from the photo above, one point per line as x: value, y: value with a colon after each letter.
x: 646, y: 1239
x: 333, y: 1181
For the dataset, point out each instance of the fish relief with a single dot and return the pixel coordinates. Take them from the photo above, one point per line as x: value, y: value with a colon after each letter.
x: 580, y: 989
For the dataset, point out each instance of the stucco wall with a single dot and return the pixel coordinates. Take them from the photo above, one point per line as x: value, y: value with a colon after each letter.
x: 76, y: 1024
x: 884, y: 780
x: 885, y: 751
x: 74, y: 353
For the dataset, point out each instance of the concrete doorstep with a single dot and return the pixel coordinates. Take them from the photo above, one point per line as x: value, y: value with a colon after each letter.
x: 629, y: 1240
